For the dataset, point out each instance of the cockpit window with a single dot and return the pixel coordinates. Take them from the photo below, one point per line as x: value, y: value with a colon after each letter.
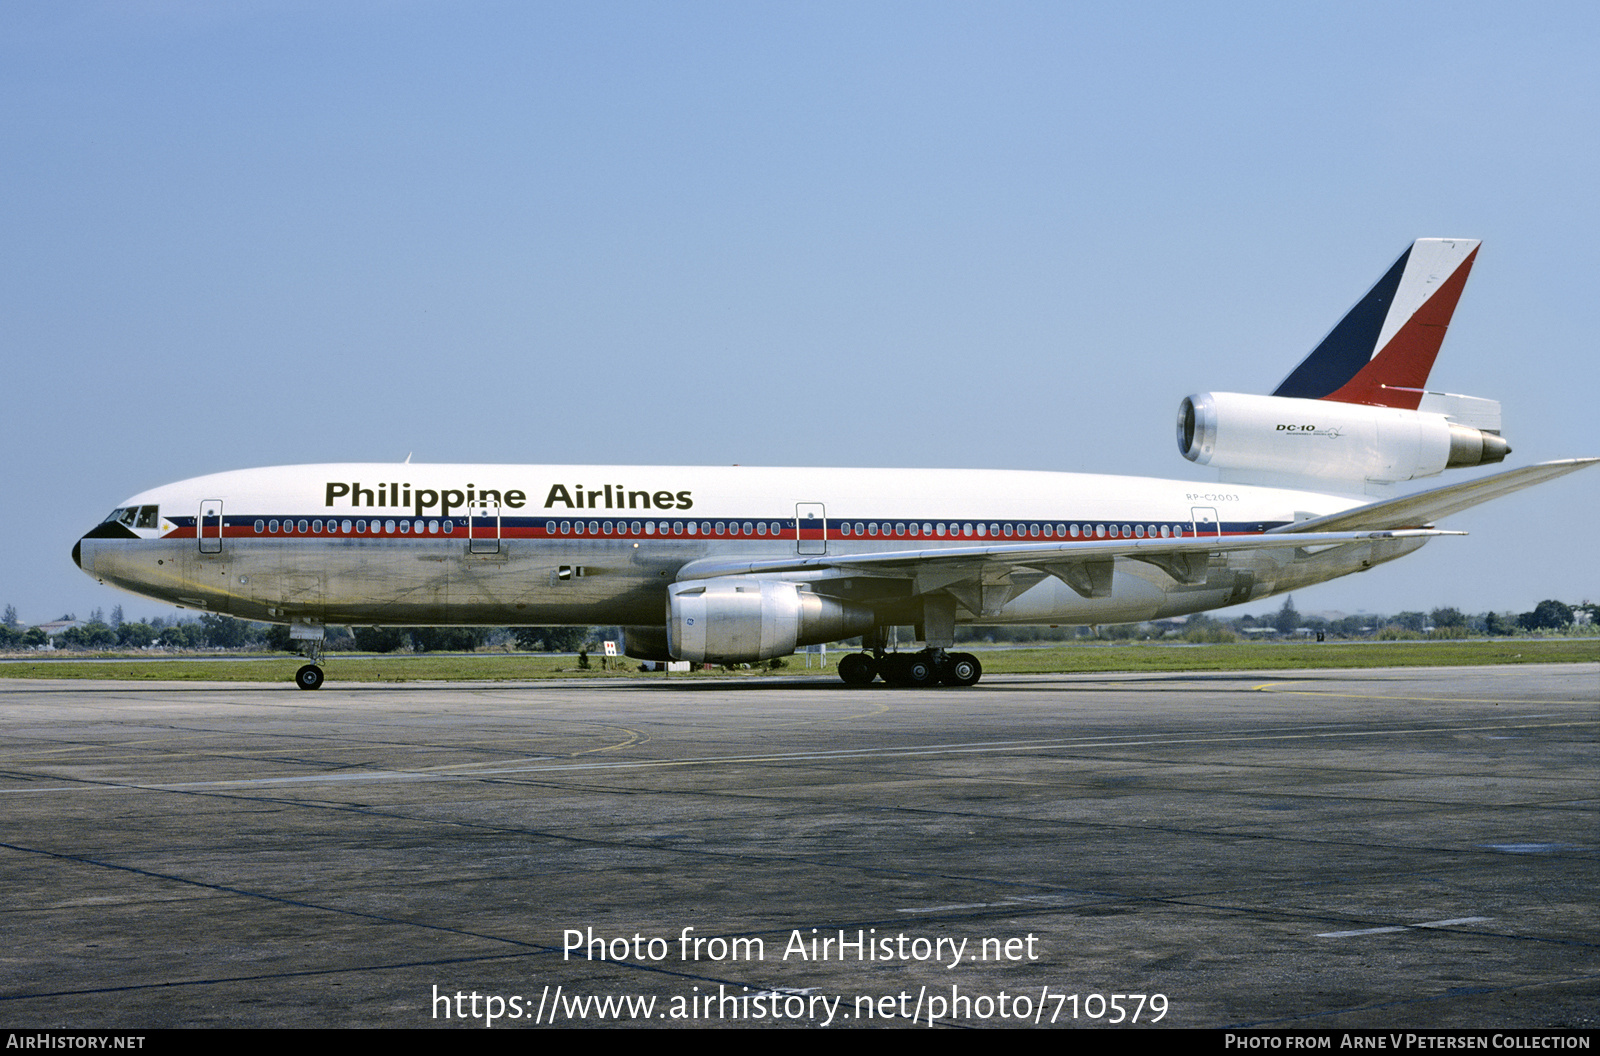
x: 135, y: 516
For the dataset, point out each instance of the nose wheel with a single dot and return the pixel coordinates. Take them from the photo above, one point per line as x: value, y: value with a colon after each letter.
x: 310, y: 676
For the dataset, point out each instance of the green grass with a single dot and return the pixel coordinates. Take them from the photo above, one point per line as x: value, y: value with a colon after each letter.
x: 1244, y: 656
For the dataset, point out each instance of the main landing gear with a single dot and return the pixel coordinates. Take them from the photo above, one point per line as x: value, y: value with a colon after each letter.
x: 926, y: 668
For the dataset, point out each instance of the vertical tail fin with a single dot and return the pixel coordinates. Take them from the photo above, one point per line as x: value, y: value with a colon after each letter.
x: 1380, y: 353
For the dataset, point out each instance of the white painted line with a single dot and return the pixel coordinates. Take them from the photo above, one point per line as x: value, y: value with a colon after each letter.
x: 1451, y: 923
x: 1403, y: 927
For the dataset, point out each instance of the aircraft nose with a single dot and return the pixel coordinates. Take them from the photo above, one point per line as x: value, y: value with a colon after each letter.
x: 77, y: 553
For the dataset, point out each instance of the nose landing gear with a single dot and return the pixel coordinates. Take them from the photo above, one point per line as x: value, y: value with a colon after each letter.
x: 309, y: 676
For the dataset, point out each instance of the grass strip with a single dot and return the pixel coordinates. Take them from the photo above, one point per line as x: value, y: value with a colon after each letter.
x: 1136, y: 657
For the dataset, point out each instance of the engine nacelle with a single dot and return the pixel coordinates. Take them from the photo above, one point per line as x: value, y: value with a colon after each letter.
x: 739, y: 619
x: 1322, y: 438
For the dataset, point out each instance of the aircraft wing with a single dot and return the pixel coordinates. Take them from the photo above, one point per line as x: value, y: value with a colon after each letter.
x: 984, y: 577
x: 1424, y: 507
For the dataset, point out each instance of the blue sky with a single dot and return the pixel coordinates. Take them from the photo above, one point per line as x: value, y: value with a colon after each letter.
x: 921, y: 234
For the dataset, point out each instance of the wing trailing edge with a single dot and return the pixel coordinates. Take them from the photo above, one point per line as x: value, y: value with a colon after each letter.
x: 1425, y: 507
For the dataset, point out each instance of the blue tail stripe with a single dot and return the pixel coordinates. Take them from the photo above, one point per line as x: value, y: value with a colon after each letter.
x: 1349, y: 346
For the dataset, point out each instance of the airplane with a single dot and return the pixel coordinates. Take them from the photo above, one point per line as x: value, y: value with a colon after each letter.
x: 736, y: 564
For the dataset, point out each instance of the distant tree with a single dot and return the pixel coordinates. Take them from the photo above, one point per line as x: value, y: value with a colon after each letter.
x: 1499, y: 624
x: 1411, y: 621
x: 34, y: 636
x: 135, y: 635
x: 447, y: 639
x: 1447, y: 617
x: 1287, y: 621
x: 93, y: 635
x: 1354, y: 626
x: 10, y: 618
x: 182, y: 636
x: 1203, y: 628
x: 224, y: 632
x: 379, y: 639
x: 1547, y: 615
x: 116, y: 616
x: 552, y: 639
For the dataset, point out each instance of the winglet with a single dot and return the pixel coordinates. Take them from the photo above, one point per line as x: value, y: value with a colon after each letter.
x: 1381, y: 352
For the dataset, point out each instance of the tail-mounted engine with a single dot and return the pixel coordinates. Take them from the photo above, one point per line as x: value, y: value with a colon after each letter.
x: 1325, y: 439
x: 739, y: 620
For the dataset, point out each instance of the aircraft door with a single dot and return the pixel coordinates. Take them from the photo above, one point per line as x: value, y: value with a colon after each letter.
x: 811, y: 528
x: 483, y: 528
x: 209, y: 527
x: 1206, y: 523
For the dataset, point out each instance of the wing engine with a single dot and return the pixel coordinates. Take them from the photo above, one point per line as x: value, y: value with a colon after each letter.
x: 741, y: 619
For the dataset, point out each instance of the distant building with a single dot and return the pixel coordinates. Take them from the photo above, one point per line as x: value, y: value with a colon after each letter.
x: 55, y: 627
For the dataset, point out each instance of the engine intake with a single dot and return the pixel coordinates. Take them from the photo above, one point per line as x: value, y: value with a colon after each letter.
x: 738, y: 619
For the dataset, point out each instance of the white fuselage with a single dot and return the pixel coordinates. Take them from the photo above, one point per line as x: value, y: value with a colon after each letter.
x: 599, y: 545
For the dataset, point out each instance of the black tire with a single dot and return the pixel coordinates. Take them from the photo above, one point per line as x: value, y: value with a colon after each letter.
x: 309, y: 677
x: 858, y: 669
x: 962, y: 669
x: 920, y: 671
